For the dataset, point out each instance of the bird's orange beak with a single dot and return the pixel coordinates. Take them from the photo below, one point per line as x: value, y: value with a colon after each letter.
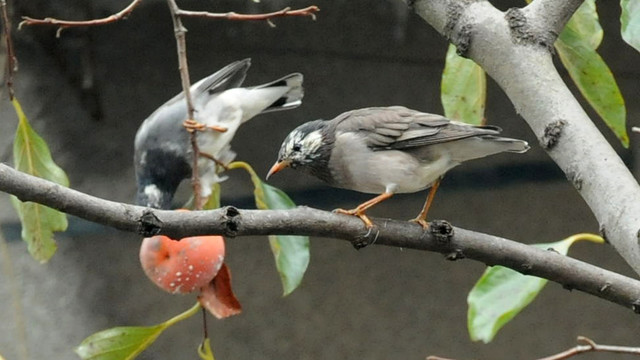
x: 277, y: 167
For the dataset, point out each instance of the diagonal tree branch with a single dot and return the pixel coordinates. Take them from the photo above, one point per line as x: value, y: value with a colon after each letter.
x: 455, y: 243
x: 511, y: 49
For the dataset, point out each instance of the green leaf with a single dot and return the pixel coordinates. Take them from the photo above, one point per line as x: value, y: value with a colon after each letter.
x: 31, y: 155
x: 501, y: 293
x: 630, y: 22
x: 214, y: 200
x: 126, y: 342
x: 291, y: 252
x: 463, y: 89
x: 576, y: 47
x: 585, y: 24
x: 118, y: 343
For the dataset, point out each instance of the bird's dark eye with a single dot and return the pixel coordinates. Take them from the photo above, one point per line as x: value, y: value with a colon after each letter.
x: 296, y: 147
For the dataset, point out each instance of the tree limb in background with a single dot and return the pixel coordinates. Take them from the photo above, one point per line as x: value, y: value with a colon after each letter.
x: 514, y: 48
x: 63, y: 24
x: 12, y: 61
x: 308, y: 11
x: 183, y: 66
x: 455, y: 243
x: 589, y: 346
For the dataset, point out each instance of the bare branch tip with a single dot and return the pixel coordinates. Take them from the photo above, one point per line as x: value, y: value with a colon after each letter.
x: 587, y: 341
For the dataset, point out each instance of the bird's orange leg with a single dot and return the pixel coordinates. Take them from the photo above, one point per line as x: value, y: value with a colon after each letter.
x: 422, y: 217
x: 359, y: 211
x: 192, y: 126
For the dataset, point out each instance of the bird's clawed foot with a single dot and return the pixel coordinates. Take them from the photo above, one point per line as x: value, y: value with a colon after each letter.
x: 356, y: 212
x: 422, y: 222
x: 193, y: 126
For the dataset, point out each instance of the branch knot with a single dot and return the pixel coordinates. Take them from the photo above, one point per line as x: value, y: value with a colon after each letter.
x: 441, y: 230
x: 231, y: 215
x: 552, y: 134
x: 149, y: 224
x: 522, y: 31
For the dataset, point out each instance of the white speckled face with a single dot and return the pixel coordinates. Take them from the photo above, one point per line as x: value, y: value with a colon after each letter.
x: 301, y: 147
x: 153, y: 194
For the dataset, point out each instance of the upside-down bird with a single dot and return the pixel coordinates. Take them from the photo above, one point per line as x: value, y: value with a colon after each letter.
x: 163, y: 152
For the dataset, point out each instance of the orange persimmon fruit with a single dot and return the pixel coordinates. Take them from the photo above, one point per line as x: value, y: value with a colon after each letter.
x: 184, y: 266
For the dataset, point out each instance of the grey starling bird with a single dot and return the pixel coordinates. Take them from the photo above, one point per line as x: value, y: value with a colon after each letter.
x: 163, y: 152
x: 387, y: 150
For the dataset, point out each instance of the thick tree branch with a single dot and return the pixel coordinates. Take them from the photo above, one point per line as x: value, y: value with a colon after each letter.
x: 550, y: 16
x: 510, y: 50
x: 455, y: 243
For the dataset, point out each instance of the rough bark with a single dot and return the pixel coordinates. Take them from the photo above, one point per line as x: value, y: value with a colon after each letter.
x: 515, y: 49
x: 454, y: 243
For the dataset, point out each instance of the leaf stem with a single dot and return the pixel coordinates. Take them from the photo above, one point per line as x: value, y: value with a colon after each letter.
x: 586, y: 236
x: 242, y: 165
x: 187, y: 314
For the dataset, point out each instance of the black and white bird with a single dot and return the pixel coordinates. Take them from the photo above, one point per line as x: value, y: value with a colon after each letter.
x: 387, y: 150
x: 163, y: 152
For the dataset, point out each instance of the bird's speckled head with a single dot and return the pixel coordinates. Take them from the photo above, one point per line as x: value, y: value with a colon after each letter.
x: 303, y: 145
x: 307, y: 147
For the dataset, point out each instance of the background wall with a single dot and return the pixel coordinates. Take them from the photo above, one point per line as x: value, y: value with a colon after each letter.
x: 88, y: 91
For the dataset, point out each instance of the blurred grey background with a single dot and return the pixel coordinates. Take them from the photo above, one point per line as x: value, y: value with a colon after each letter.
x: 87, y: 92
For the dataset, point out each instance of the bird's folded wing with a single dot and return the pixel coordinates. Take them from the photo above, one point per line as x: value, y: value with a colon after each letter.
x: 397, y: 127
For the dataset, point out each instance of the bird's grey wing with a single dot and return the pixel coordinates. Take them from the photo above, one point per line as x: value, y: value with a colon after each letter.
x: 392, y: 127
x: 416, y: 136
x: 229, y: 77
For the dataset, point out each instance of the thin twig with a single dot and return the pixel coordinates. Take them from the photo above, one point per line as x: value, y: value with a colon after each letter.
x: 183, y: 66
x: 591, y: 346
x: 63, y: 24
x: 636, y: 129
x: 308, y: 11
x: 12, y: 61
